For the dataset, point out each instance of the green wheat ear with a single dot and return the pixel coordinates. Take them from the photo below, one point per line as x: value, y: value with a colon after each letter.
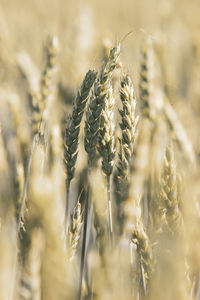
x: 97, y: 102
x: 71, y: 138
x: 73, y: 124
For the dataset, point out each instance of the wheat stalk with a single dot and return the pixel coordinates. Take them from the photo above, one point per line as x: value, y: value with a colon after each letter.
x: 178, y: 132
x: 37, y: 113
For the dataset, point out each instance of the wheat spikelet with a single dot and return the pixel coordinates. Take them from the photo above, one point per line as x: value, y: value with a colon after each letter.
x: 97, y: 102
x: 73, y: 124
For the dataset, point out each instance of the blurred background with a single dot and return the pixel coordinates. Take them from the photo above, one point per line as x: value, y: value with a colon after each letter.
x: 83, y: 26
x: 86, y: 29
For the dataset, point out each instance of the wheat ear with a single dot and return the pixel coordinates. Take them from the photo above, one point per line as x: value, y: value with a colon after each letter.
x: 97, y: 102
x: 106, y: 148
x: 72, y: 133
x: 128, y: 127
x: 141, y: 240
x: 169, y: 195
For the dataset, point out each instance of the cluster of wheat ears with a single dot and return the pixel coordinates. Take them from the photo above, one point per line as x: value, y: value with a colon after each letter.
x: 105, y: 204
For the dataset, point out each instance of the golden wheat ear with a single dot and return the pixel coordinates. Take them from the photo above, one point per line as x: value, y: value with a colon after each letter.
x: 128, y: 126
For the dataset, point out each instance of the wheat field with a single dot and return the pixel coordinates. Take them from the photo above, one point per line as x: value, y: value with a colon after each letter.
x: 99, y: 150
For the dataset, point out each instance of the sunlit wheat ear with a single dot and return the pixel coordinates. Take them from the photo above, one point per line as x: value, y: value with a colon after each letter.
x: 144, y: 250
x: 31, y: 275
x: 75, y: 231
x: 39, y: 100
x: 97, y: 102
x: 169, y: 194
x: 146, y: 78
x: 128, y: 127
x: 106, y: 147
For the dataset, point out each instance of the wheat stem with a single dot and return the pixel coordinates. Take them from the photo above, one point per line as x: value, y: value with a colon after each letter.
x: 67, y: 211
x: 85, y: 228
x: 110, y: 221
x: 27, y: 175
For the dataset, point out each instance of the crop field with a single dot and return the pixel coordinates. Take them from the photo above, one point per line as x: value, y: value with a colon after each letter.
x: 100, y: 150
